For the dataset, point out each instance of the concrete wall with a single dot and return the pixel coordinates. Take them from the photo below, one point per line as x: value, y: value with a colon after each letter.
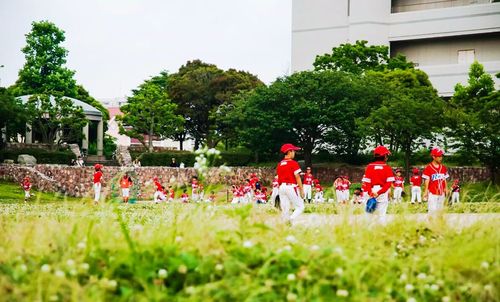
x: 77, y: 181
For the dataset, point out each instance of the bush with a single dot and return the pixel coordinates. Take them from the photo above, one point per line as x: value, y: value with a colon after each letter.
x: 235, y: 159
x: 42, y: 156
x: 109, y: 146
x: 229, y: 158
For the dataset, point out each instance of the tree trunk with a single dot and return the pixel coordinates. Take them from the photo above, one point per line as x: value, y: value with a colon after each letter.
x: 407, y: 161
x: 181, y: 144
x: 150, y: 138
x: 308, y: 156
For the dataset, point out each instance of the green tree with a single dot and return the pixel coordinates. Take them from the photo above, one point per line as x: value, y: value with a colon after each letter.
x: 13, y: 116
x: 475, y: 119
x: 50, y: 115
x: 149, y: 111
x: 410, y: 111
x: 358, y: 58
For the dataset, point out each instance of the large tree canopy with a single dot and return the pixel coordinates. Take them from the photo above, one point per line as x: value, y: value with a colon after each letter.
x: 13, y: 116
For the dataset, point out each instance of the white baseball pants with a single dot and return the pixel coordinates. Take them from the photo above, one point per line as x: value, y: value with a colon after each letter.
x: 397, y: 194
x: 455, y: 197
x: 435, y: 203
x: 416, y: 194
x: 97, y: 191
x: 289, y: 195
x: 307, y: 192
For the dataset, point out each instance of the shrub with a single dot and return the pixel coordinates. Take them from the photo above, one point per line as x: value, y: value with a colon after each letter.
x: 42, y: 156
x: 229, y: 158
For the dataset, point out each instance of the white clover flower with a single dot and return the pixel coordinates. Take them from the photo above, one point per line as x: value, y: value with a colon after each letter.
x: 422, y: 239
x: 137, y: 227
x: 81, y: 245
x: 488, y: 287
x: 440, y: 282
x: 338, y: 250
x: 421, y: 276
x: 291, y: 297
x: 403, y: 277
x: 84, y: 266
x: 342, y: 293
x: 411, y: 299
x: 73, y: 272
x: 485, y: 265
x: 291, y: 239
x: 287, y: 248
x: 445, y: 299
x: 339, y: 271
x: 247, y: 244
x: 70, y: 262
x: 59, y: 274
x: 23, y: 268
x: 182, y: 269
x: 434, y: 287
x: 178, y: 239
x: 219, y: 267
x: 291, y: 277
x: 45, y: 268
x: 112, y: 284
x: 54, y: 298
x: 190, y: 290
x: 314, y: 247
x: 162, y: 273
x: 409, y: 287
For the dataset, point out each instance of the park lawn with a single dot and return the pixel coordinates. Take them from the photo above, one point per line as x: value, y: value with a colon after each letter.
x: 13, y: 193
x: 176, y: 252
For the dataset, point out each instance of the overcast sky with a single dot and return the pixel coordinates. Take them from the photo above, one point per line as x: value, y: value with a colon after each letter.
x: 116, y: 44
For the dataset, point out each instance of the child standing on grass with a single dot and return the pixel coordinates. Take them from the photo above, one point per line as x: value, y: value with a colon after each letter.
x: 398, y: 185
x: 275, y: 191
x: 185, y: 196
x: 159, y: 193
x: 97, y: 182
x: 346, y: 185
x: 435, y: 186
x: 338, y: 185
x: 416, y: 183
x: 290, y: 190
x: 26, y: 185
x: 455, y: 192
x: 308, y: 182
x: 171, y: 193
x: 195, y: 196
x: 125, y: 184
x: 378, y: 179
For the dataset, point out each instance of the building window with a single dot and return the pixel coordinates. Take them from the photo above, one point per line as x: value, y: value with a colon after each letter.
x: 466, y: 56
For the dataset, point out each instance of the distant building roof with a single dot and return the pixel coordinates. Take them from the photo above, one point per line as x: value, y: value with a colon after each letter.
x: 114, y: 111
x: 87, y: 109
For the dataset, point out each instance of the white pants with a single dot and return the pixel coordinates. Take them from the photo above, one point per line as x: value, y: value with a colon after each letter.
x: 397, y: 194
x: 289, y: 195
x: 382, y: 204
x: 159, y: 196
x: 346, y: 195
x: 125, y: 192
x: 195, y: 197
x: 455, y: 197
x: 235, y: 200
x: 307, y: 192
x: 416, y: 194
x: 318, y: 197
x: 273, y: 196
x: 27, y: 194
x: 435, y: 203
x: 340, y: 195
x: 97, y: 191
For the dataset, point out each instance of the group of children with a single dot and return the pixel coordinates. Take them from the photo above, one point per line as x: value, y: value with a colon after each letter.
x: 168, y: 194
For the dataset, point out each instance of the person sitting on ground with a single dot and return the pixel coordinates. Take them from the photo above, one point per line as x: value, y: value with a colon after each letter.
x: 357, y: 196
x: 185, y: 196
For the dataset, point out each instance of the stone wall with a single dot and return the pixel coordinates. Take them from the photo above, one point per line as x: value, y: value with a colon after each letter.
x: 77, y: 181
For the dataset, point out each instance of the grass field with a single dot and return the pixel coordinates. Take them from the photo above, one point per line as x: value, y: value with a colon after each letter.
x: 57, y: 249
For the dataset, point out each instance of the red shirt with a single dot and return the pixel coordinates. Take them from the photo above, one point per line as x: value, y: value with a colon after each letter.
x: 260, y: 196
x: 275, y: 183
x: 172, y: 193
x: 194, y: 187
x: 416, y: 180
x: 26, y: 185
x: 345, y: 185
x: 378, y: 174
x: 455, y: 188
x: 286, y: 170
x: 318, y: 188
x: 124, y: 183
x: 253, y: 181
x: 158, y: 185
x: 437, y: 178
x: 399, y: 181
x: 308, y: 179
x: 97, y: 177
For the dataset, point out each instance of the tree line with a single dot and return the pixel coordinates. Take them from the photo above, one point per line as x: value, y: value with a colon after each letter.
x: 355, y: 97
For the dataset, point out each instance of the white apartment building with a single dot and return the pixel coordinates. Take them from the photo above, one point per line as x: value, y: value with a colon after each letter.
x: 443, y: 37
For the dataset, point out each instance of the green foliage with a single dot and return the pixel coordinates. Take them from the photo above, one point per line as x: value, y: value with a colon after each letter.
x: 475, y: 119
x: 164, y: 158
x: 201, y: 92
x: 358, y: 58
x: 63, y: 157
x: 149, y: 111
x: 109, y: 146
x: 13, y: 116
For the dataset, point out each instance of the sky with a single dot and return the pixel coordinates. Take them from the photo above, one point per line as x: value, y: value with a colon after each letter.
x: 114, y: 45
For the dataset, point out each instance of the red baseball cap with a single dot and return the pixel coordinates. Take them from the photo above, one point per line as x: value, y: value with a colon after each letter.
x: 398, y: 170
x: 381, y: 151
x: 437, y: 152
x: 98, y: 166
x: 415, y: 170
x: 288, y: 147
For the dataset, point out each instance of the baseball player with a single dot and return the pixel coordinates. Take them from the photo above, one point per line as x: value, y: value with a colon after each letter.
x: 338, y: 184
x: 308, y: 181
x: 416, y: 183
x: 398, y: 185
x: 290, y: 184
x: 171, y: 193
x: 184, y: 197
x: 378, y: 179
x: 260, y: 197
x: 318, y: 195
x: 97, y: 182
x: 275, y: 190
x: 125, y: 184
x: 455, y: 191
x: 346, y: 185
x: 26, y: 185
x: 195, y: 196
x: 159, y: 193
x: 435, y: 184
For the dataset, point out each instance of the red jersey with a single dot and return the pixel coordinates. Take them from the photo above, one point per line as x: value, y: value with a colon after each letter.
x: 455, y: 188
x: 97, y: 177
x: 364, y: 186
x: 253, y: 181
x: 260, y: 196
x: 286, y: 170
x: 275, y: 183
x: 172, y: 193
x: 158, y: 185
x: 194, y: 187
x: 345, y: 185
x: 399, y: 181
x: 26, y: 185
x: 308, y: 179
x: 437, y: 178
x: 318, y: 188
x: 247, y: 188
x: 378, y: 174
x: 416, y: 180
x: 125, y: 183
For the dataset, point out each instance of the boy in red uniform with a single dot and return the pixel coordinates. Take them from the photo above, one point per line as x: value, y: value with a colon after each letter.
x: 455, y: 192
x: 260, y: 197
x: 346, y: 185
x: 195, y: 195
x: 171, y: 193
x: 435, y: 184
x: 318, y: 195
x: 416, y: 183
x: 160, y: 191
x: 275, y: 192
x: 378, y: 179
x: 290, y: 190
x: 185, y: 196
x: 338, y: 185
x: 398, y: 185
x: 26, y: 185
x: 125, y: 184
x: 211, y: 197
x: 308, y: 182
x: 97, y: 182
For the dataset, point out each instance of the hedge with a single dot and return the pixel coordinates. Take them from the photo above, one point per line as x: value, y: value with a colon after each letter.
x: 188, y: 158
x: 42, y: 156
